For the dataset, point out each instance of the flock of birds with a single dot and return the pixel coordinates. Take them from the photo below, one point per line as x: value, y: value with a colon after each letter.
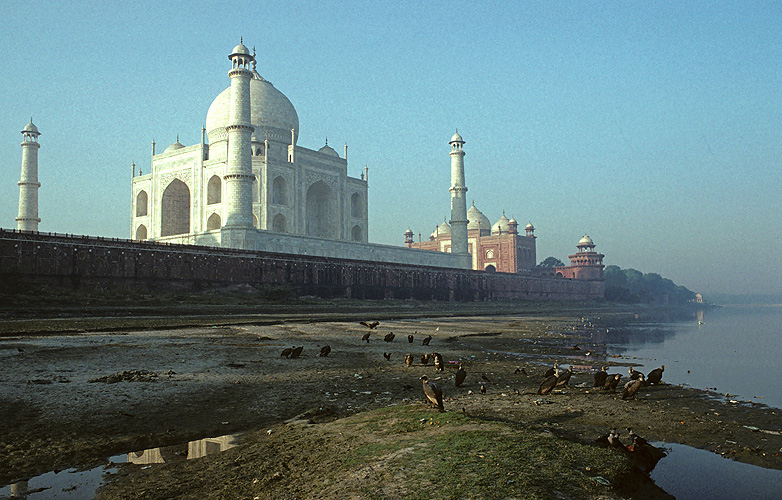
x: 556, y: 377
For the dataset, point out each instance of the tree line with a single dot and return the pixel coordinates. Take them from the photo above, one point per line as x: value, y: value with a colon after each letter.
x: 632, y: 286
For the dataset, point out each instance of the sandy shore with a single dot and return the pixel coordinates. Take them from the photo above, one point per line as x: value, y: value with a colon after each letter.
x: 63, y: 404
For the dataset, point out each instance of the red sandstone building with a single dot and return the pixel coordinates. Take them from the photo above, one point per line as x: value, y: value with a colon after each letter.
x: 497, y: 247
x: 586, y: 264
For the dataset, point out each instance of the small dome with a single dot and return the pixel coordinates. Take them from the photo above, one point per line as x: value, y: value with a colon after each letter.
x: 501, y: 225
x: 530, y: 227
x: 241, y: 49
x: 442, y: 229
x: 30, y: 128
x: 477, y: 220
x: 328, y: 150
x: 456, y: 137
x: 585, y: 241
x: 174, y: 147
x: 409, y: 231
x: 513, y: 221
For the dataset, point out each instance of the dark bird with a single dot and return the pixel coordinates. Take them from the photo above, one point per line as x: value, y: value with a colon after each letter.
x: 520, y: 370
x: 286, y: 352
x: 389, y: 337
x: 612, y: 382
x: 409, y: 359
x: 296, y: 352
x: 460, y: 376
x: 439, y: 365
x: 631, y: 388
x: 485, y: 378
x: 547, y: 384
x: 483, y: 387
x: 564, y: 377
x: 551, y: 371
x: 387, y: 355
x: 635, y: 438
x: 433, y: 393
x: 425, y: 359
x: 20, y: 349
x: 575, y: 348
x: 614, y: 442
x: 634, y: 375
x: 410, y: 339
x: 371, y: 326
x: 366, y: 337
x: 325, y: 350
x: 426, y: 340
x: 655, y: 376
x: 601, y: 376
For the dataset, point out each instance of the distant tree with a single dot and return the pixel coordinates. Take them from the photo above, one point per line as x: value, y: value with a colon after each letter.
x: 550, y: 263
x: 633, y: 286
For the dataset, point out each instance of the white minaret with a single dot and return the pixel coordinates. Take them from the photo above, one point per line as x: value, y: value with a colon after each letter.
x: 28, y: 185
x: 458, y: 190
x: 239, y: 175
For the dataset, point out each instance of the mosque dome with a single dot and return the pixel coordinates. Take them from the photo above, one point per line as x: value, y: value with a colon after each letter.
x: 477, y: 220
x: 442, y: 229
x: 328, y: 150
x: 241, y: 49
x: 530, y: 227
x: 456, y: 137
x: 271, y: 113
x: 501, y: 225
x: 174, y: 147
x: 30, y: 128
x: 585, y: 241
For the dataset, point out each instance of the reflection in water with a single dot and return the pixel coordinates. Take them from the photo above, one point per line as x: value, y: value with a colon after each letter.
x: 74, y: 484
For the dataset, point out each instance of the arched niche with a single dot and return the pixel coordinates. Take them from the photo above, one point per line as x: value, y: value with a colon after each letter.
x: 321, y: 219
x: 175, y: 209
x: 214, y: 190
x: 213, y: 222
x: 141, y: 204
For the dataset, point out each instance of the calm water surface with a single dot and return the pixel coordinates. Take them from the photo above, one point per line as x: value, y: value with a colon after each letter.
x: 732, y: 349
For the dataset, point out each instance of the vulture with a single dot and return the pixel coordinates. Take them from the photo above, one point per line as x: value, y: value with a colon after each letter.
x: 655, y: 376
x: 483, y: 387
x: 551, y: 371
x: 286, y: 352
x: 612, y: 382
x: 425, y: 359
x: 631, y: 388
x: 564, y: 377
x: 460, y: 376
x: 426, y: 340
x: 433, y: 393
x: 325, y: 350
x: 296, y: 352
x: 438, y: 361
x: 613, y: 440
x: 634, y: 375
x: 389, y: 337
x: 410, y: 339
x: 387, y: 355
x: 485, y: 378
x: 366, y: 337
x: 601, y: 376
x: 409, y: 359
x: 371, y: 325
x: 547, y: 384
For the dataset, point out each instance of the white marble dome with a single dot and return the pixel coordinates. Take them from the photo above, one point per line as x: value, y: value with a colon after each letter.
x: 585, y: 241
x: 477, y: 220
x: 501, y: 225
x: 442, y: 229
x: 271, y: 113
x: 174, y: 147
x: 328, y: 150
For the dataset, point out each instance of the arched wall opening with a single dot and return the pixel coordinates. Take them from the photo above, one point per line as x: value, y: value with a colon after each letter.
x: 321, y: 220
x: 175, y: 209
x: 214, y: 190
x: 356, y: 207
x: 141, y: 232
x: 280, y: 191
x: 357, y: 234
x: 213, y: 222
x: 279, y: 224
x: 141, y: 204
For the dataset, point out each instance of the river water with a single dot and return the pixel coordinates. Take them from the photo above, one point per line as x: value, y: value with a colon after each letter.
x: 730, y: 349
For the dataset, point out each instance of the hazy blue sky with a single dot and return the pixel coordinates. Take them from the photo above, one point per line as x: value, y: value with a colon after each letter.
x: 654, y: 127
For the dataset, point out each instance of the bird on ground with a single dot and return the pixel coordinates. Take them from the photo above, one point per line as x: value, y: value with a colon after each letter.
x: 366, y: 337
x: 389, y: 337
x: 426, y: 340
x: 410, y: 339
x: 551, y: 371
x: 634, y: 374
x: 548, y: 383
x: 297, y: 351
x: 575, y: 348
x: 635, y: 438
x: 371, y: 325
x: 564, y: 377
x: 483, y: 387
x: 655, y: 376
x: 387, y: 355
x: 601, y: 376
x: 286, y: 352
x: 612, y: 382
x: 325, y: 350
x: 631, y: 388
x: 460, y: 376
x: 613, y: 440
x: 424, y: 359
x: 409, y: 359
x: 433, y: 393
x: 485, y: 378
x: 439, y: 365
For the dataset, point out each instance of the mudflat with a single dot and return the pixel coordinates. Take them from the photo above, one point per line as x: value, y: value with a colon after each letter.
x: 354, y: 423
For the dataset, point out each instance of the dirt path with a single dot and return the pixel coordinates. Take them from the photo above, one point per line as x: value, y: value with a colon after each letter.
x: 65, y: 401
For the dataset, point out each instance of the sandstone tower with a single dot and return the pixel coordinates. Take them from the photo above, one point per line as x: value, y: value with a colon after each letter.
x: 458, y: 190
x: 28, y: 185
x: 239, y: 175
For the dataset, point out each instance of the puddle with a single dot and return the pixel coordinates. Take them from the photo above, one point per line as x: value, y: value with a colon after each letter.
x: 691, y: 474
x: 73, y: 484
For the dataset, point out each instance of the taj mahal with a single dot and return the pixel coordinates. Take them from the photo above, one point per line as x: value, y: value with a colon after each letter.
x: 248, y: 185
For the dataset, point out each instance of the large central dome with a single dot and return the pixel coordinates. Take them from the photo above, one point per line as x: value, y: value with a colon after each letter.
x: 272, y: 114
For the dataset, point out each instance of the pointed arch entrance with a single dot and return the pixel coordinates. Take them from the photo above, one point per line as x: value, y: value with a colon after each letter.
x: 321, y: 220
x: 175, y: 209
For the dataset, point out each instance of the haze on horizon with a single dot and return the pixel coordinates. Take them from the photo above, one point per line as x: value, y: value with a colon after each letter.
x: 653, y: 127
